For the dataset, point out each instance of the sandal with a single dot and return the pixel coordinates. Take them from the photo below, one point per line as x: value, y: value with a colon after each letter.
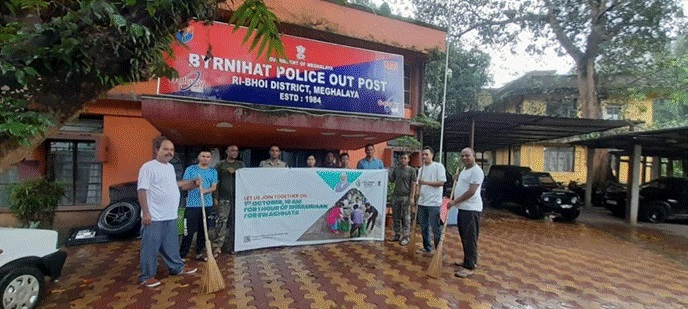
x: 201, y: 257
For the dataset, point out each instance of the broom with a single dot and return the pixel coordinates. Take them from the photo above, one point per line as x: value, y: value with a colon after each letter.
x: 435, y: 267
x: 213, y: 280
x: 414, y: 239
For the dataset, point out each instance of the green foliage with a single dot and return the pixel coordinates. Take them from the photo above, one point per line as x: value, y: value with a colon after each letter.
x: 468, y: 76
x: 429, y: 122
x: 262, y: 25
x: 35, y: 201
x: 405, y: 141
x: 19, y: 123
x: 62, y: 54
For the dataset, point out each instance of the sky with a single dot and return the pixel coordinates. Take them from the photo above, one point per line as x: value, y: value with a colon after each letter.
x: 509, y: 63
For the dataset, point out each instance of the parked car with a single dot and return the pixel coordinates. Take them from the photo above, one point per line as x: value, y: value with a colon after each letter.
x: 536, y: 192
x: 26, y: 257
x: 660, y: 199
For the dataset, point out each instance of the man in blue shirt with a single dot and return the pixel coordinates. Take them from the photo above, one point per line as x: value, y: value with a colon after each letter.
x: 193, y: 215
x: 370, y: 162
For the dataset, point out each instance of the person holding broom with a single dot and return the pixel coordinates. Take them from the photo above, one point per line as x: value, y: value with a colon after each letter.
x: 431, y: 182
x: 193, y: 214
x: 470, y: 206
x: 158, y: 194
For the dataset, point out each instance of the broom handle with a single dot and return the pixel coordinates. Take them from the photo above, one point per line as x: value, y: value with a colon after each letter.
x: 205, y: 222
x: 451, y: 197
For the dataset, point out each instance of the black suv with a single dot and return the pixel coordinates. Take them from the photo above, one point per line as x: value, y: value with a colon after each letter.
x: 660, y: 199
x: 537, y: 192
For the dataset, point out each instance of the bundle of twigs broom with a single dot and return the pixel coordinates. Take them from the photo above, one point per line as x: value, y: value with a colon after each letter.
x: 212, y: 280
x: 435, y: 267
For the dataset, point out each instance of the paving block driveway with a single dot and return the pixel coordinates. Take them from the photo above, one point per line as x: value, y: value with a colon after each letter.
x: 522, y: 264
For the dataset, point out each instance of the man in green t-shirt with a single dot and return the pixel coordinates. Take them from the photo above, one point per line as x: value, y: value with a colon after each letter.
x: 226, y: 170
x: 404, y: 178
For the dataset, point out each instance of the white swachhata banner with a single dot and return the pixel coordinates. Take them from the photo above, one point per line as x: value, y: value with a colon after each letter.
x: 304, y: 206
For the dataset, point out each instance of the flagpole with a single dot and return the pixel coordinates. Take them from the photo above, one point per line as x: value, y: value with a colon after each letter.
x: 446, y: 75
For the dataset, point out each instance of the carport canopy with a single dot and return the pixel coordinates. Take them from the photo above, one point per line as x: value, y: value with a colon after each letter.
x: 494, y: 130
x: 665, y: 143
x: 669, y: 143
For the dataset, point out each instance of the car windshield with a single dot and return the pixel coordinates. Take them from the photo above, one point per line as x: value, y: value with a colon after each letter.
x: 538, y: 179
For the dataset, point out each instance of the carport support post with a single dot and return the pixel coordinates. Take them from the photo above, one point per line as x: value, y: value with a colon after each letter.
x: 590, y: 175
x: 634, y: 184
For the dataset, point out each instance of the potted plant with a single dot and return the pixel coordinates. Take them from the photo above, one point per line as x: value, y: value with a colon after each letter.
x: 33, y: 202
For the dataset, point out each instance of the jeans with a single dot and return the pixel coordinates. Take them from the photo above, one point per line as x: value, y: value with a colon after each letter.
x: 402, y: 216
x: 429, y: 217
x: 159, y: 236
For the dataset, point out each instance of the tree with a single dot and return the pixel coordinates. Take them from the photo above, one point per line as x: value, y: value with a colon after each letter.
x: 620, y: 32
x: 56, y: 56
x: 468, y: 75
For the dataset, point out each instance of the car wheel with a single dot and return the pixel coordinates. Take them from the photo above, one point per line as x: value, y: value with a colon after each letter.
x: 120, y: 218
x: 654, y: 213
x: 22, y: 288
x: 532, y: 211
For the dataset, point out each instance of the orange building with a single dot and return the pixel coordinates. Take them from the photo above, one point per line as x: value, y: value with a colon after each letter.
x: 111, y: 140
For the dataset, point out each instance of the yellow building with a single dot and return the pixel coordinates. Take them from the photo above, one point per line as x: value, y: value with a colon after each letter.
x: 545, y: 93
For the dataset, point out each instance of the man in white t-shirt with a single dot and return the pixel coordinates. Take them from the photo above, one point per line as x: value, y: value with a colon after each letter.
x: 470, y: 206
x: 431, y: 179
x: 158, y: 193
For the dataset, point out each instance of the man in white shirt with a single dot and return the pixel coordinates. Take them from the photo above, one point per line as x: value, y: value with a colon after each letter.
x: 431, y: 179
x: 470, y: 206
x: 158, y: 193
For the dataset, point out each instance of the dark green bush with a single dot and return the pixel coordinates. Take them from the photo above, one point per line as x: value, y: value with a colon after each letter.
x: 34, y: 202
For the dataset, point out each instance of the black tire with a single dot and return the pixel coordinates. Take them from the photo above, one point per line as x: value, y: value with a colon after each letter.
x: 533, y: 211
x: 654, y: 212
x: 120, y: 219
x: 569, y: 216
x: 22, y: 287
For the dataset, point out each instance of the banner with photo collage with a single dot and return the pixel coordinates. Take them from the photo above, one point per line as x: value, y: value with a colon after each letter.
x: 305, y: 206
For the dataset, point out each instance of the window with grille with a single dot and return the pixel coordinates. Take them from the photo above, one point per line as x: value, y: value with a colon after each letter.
x: 74, y: 164
x: 562, y: 108
x: 612, y: 112
x: 559, y: 159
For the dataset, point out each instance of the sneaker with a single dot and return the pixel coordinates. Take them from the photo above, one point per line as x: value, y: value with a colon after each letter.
x: 395, y: 238
x: 187, y: 270
x: 201, y: 257
x: 151, y: 282
x: 463, y: 273
x: 459, y: 264
x: 404, y: 241
x: 423, y: 252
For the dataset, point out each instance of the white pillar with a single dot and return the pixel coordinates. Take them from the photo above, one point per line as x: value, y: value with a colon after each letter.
x: 633, y: 185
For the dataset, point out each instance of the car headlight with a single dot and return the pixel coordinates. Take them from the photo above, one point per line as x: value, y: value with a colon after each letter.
x: 574, y: 200
x: 545, y: 199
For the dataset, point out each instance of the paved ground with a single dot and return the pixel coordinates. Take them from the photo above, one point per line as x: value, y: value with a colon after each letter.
x: 523, y: 264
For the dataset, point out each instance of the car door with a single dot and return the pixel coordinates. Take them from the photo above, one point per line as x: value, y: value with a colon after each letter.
x: 682, y: 206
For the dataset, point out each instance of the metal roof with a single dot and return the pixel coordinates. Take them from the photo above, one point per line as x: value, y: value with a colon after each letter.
x: 494, y: 130
x: 667, y: 143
